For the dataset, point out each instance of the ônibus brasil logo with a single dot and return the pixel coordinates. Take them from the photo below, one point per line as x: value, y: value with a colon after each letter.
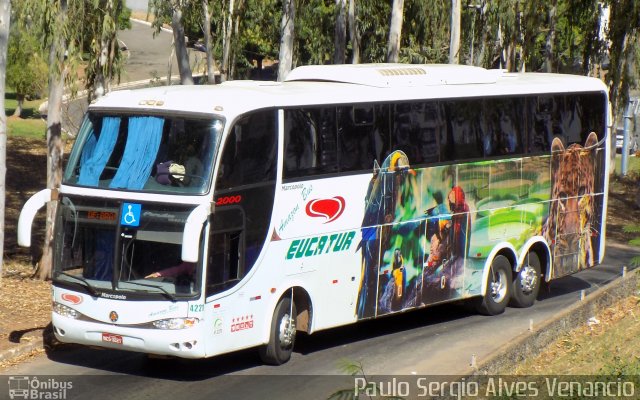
x: 26, y: 387
x: 330, y: 209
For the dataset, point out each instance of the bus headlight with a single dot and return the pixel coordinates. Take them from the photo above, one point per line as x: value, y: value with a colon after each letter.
x: 65, y: 311
x: 175, y: 323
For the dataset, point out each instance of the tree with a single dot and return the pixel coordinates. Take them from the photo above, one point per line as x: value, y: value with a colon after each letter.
x: 105, y: 61
x: 57, y: 75
x: 395, y: 31
x: 173, y: 12
x: 623, y: 48
x: 454, y: 47
x: 340, y: 32
x: 286, y: 40
x: 5, y: 20
x: 180, y: 45
x: 26, y: 69
x: 206, y: 30
x: 61, y: 23
x: 353, y: 33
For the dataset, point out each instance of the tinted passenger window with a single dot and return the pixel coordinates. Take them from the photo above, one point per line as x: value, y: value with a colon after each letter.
x: 249, y: 154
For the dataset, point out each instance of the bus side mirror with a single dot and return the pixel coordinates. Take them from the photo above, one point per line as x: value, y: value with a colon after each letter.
x: 193, y: 231
x: 28, y: 213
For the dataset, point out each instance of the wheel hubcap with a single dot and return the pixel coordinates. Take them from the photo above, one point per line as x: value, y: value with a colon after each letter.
x: 528, y: 279
x: 499, y: 286
x: 286, y: 331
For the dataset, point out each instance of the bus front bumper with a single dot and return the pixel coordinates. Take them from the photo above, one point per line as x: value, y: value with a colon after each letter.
x: 184, y: 343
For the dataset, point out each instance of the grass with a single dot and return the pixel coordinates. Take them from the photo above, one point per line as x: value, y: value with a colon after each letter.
x: 30, y: 124
x: 634, y: 164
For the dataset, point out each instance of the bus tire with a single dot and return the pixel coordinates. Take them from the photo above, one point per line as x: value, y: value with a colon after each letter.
x: 498, y: 291
x: 526, y: 283
x: 283, y: 334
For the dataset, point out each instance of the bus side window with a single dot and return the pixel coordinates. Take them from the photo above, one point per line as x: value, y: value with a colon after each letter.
x: 309, y: 142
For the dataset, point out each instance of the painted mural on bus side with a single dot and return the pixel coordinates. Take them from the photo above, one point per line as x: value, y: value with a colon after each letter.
x: 427, y: 232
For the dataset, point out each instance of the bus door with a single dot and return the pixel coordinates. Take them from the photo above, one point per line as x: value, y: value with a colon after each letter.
x: 244, y: 195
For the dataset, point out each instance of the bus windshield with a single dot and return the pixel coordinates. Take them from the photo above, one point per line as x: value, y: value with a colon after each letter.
x: 144, y: 153
x: 95, y: 251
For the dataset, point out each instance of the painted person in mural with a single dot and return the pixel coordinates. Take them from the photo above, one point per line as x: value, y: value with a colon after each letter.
x: 448, y: 232
x: 373, y: 216
x: 401, y: 252
x: 388, y: 248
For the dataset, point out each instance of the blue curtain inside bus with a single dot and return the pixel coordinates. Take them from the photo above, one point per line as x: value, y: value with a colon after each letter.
x: 140, y: 152
x: 96, y: 152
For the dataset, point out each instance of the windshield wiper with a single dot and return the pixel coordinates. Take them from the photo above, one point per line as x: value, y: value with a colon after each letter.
x: 164, y: 291
x: 90, y: 288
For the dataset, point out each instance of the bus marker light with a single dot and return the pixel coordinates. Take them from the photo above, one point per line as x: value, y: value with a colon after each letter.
x: 479, y: 255
x: 255, y: 298
x: 216, y: 305
x: 273, y: 290
x: 335, y: 281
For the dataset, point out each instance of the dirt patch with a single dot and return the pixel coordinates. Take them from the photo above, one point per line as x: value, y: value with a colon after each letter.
x: 25, y: 304
x: 588, y: 349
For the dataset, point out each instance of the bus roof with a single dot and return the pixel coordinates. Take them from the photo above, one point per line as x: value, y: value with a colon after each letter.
x: 345, y: 84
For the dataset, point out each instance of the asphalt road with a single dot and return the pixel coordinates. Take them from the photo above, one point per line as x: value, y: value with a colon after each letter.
x: 434, y: 341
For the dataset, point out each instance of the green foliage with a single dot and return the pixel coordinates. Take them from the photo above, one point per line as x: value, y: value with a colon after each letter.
x: 26, y: 68
x: 104, y: 61
x: 633, y: 229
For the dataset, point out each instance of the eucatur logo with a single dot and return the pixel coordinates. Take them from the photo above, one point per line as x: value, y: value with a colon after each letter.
x: 71, y: 298
x: 330, y: 209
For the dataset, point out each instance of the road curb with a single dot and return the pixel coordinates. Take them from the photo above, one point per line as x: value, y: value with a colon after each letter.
x: 531, y: 343
x: 21, y: 349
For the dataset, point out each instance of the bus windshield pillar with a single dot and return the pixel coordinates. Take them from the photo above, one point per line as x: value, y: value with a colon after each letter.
x: 192, y: 232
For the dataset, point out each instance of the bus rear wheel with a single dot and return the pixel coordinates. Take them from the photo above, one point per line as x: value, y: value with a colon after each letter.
x: 526, y: 284
x: 283, y: 334
x: 498, y: 291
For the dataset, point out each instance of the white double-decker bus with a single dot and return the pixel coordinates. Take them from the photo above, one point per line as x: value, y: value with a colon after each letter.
x: 195, y: 221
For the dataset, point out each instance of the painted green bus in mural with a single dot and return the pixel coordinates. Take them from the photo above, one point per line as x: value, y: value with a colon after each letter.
x: 198, y: 221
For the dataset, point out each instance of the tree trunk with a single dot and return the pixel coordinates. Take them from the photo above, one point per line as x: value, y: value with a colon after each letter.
x: 181, y: 46
x: 286, y: 38
x: 100, y: 84
x: 226, y: 44
x: 20, y: 100
x: 395, y: 31
x: 454, y: 44
x: 206, y: 30
x: 57, y: 71
x: 551, y: 37
x: 5, y: 15
x: 340, y: 33
x: 353, y: 33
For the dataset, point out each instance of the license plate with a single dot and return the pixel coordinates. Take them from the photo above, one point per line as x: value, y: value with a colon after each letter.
x: 111, y: 338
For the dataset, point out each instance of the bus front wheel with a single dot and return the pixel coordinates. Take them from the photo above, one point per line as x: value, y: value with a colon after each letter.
x: 283, y: 334
x: 498, y: 291
x: 526, y: 284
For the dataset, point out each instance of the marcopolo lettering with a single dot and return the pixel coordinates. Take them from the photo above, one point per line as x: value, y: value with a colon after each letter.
x: 320, y: 245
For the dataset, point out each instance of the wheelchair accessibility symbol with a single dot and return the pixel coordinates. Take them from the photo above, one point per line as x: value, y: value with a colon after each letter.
x: 130, y: 215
